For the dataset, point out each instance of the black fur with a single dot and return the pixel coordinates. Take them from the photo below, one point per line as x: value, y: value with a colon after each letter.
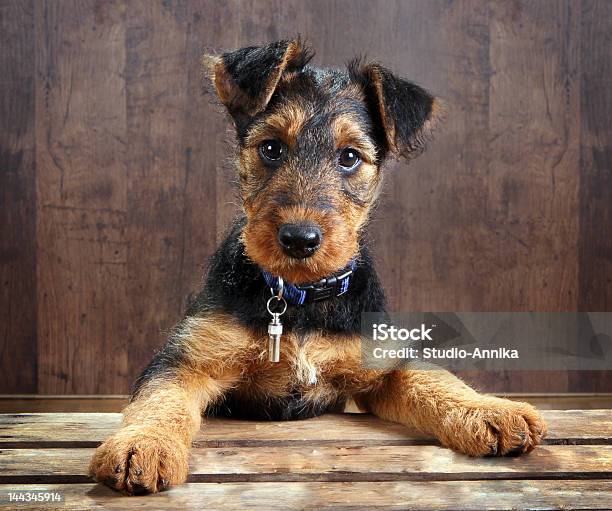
x: 405, y: 104
x: 236, y: 286
x: 292, y: 407
x: 319, y: 87
x: 250, y: 69
x: 162, y: 365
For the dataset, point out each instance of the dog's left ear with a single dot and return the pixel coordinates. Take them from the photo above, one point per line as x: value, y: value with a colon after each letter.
x: 405, y: 112
x: 245, y: 79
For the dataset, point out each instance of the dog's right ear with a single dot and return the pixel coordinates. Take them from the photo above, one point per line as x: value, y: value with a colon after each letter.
x: 406, y: 113
x: 245, y: 79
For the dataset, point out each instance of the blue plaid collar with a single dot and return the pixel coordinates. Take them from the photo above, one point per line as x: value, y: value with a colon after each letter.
x: 336, y: 285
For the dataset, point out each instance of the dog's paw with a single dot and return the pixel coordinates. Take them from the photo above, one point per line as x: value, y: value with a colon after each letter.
x: 493, y: 427
x: 138, y: 461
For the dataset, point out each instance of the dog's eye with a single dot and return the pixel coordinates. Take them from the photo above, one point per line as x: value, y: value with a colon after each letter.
x: 349, y: 159
x: 271, y: 150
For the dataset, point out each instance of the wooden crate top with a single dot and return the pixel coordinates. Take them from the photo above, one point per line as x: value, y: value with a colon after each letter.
x: 347, y: 460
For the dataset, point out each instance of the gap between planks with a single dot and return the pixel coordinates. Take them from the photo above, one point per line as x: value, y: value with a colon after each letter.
x: 82, y: 403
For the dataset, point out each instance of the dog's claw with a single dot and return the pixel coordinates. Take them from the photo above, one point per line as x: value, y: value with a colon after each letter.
x: 139, y: 489
x: 135, y: 461
x: 494, y: 448
x: 496, y: 427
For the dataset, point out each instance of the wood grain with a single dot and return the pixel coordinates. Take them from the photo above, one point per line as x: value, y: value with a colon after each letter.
x: 81, y: 197
x: 330, y: 463
x: 17, y: 199
x: 585, y: 427
x: 533, y: 128
x: 64, y: 403
x: 595, y: 253
x: 315, y: 464
x: 156, y: 88
x: 116, y: 181
x: 531, y: 207
x: 595, y: 153
x: 429, y: 495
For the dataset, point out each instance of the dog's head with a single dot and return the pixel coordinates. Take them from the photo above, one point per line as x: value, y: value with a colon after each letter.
x: 311, y: 142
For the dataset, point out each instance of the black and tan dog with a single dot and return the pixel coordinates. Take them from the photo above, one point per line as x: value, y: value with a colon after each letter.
x: 310, y: 146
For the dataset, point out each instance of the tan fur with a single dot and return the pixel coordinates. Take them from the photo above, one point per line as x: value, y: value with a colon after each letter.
x: 324, y: 368
x: 284, y: 124
x: 348, y: 134
x: 230, y: 94
x: 151, y: 449
x: 260, y: 242
x: 436, y: 116
x: 426, y: 130
x: 388, y: 124
x: 341, y: 226
x: 439, y: 403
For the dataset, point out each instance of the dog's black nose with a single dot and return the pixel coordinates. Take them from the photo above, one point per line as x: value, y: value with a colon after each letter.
x: 299, y: 240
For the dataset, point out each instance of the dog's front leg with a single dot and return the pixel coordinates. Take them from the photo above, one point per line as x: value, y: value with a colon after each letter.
x: 150, y: 451
x: 437, y: 402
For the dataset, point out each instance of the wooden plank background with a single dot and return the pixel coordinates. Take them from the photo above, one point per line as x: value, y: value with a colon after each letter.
x: 346, y: 461
x: 115, y: 182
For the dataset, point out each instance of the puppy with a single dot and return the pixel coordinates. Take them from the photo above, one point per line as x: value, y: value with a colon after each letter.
x: 310, y: 145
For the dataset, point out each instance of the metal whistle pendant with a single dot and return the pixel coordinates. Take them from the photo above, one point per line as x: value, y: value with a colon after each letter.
x: 275, y: 329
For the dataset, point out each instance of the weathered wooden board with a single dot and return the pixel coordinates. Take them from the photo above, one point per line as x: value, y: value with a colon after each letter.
x: 350, y: 461
x: 531, y: 126
x: 595, y: 283
x: 89, y: 429
x: 171, y: 206
x: 18, y: 291
x: 116, y: 185
x: 430, y: 495
x: 330, y: 463
x: 81, y: 200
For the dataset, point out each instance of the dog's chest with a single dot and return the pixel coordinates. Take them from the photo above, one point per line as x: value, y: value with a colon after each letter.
x: 306, y: 360
x: 315, y: 374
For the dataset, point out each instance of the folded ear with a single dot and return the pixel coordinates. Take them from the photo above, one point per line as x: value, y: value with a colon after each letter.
x: 245, y: 79
x: 406, y: 113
